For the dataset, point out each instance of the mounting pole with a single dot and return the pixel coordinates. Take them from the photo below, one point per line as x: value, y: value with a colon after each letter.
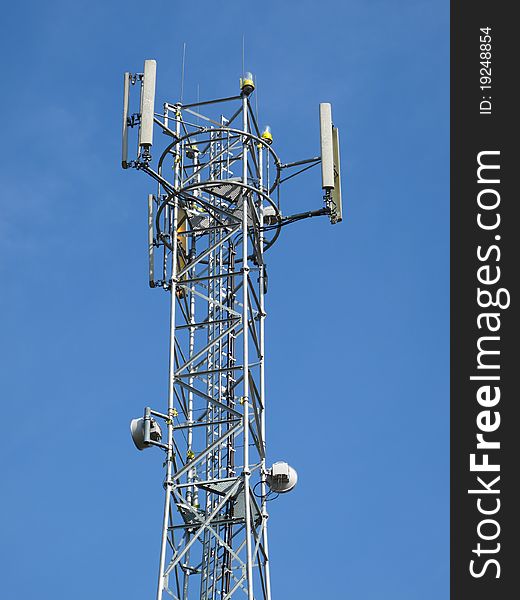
x: 245, y: 337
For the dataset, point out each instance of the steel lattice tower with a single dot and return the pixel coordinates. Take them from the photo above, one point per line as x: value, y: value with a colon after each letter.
x: 211, y: 220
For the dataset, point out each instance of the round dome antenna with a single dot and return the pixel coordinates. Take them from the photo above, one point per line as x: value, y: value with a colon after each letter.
x: 138, y: 433
x: 281, y: 477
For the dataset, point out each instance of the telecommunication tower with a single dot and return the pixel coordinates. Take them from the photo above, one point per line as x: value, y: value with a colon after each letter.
x: 213, y: 216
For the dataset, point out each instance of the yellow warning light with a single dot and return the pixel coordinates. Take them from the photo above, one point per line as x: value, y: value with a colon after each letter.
x: 247, y: 84
x: 267, y: 135
x: 192, y: 151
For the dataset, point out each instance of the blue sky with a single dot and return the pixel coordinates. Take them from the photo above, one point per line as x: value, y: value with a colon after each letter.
x: 358, y: 313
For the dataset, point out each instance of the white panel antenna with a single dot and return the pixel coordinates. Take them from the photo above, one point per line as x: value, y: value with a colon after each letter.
x: 336, y: 204
x: 330, y: 163
x: 327, y: 152
x: 147, y: 105
x: 126, y: 97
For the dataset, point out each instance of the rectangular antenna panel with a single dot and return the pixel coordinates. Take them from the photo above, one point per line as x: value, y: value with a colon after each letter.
x: 147, y: 104
x: 126, y: 96
x: 337, y: 208
x: 327, y: 152
x: 151, y: 275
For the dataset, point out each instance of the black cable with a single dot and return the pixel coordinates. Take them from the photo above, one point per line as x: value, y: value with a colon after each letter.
x: 299, y: 172
x: 295, y: 218
x: 267, y: 496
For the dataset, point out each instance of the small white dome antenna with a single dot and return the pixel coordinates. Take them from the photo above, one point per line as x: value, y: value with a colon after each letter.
x: 281, y: 478
x: 146, y: 431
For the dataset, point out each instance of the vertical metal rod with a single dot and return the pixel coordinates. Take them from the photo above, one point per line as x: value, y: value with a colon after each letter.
x: 191, y: 493
x: 206, y: 546
x: 171, y: 378
x: 151, y: 275
x: 147, y: 424
x: 171, y: 390
x: 191, y: 473
x: 182, y: 71
x: 165, y: 115
x: 165, y: 217
x: 261, y: 295
x: 245, y: 321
